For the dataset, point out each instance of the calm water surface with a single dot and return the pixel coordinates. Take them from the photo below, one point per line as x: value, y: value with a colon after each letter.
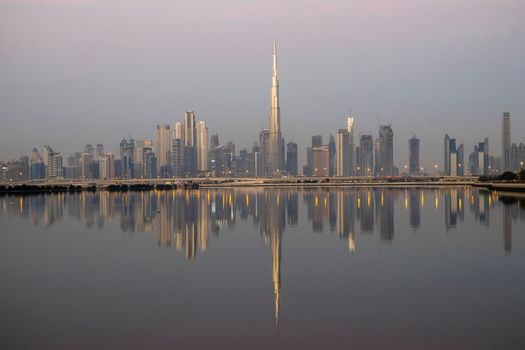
x: 263, y: 268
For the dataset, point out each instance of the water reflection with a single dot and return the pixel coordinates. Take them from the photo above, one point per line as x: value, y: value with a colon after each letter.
x: 186, y: 219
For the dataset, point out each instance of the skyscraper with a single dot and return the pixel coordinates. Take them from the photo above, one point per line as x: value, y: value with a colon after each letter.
x: 202, y: 146
x: 89, y: 149
x: 483, y: 157
x: 190, y: 132
x: 514, y: 157
x: 177, y: 159
x: 38, y: 168
x: 366, y: 146
x: 163, y: 150
x: 453, y: 157
x: 446, y: 152
x: 127, y: 156
x: 190, y: 144
x: 291, y: 158
x: 107, y: 167
x: 342, y: 164
x: 413, y: 156
x: 53, y: 163
x: 321, y: 161
x: 386, y: 150
x: 99, y: 151
x: 275, y: 142
x: 331, y: 155
x: 351, y: 147
x: 505, y: 141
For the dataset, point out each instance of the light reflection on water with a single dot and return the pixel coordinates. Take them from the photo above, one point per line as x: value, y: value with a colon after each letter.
x: 186, y: 219
x: 191, y: 221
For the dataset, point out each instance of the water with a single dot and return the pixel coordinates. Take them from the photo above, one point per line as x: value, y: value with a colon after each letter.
x: 263, y: 268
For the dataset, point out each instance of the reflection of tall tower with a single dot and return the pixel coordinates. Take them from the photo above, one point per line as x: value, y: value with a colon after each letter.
x: 276, y: 273
x: 386, y: 216
x: 365, y: 205
x: 163, y: 220
x: 275, y: 144
x: 451, y: 208
x: 273, y: 228
x: 415, y: 211
x: 507, y: 228
x: 345, y: 217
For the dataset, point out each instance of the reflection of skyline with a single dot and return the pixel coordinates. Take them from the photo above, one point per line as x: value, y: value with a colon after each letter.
x: 186, y: 219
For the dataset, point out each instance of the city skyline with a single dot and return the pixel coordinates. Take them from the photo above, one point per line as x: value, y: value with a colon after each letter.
x: 376, y: 87
x: 266, y: 174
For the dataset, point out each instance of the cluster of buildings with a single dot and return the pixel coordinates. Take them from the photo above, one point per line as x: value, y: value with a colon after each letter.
x: 481, y: 161
x: 340, y: 157
x: 186, y: 150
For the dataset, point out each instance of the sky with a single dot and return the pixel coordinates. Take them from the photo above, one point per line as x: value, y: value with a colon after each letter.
x: 74, y: 72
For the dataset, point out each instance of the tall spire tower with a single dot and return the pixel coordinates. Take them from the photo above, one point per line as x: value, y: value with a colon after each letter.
x: 276, y: 143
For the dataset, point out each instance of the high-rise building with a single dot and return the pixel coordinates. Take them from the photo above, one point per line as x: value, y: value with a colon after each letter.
x: 351, y: 146
x: 321, y: 161
x: 85, y: 163
x: 377, y: 164
x: 190, y: 130
x: 505, y: 141
x: 55, y: 167
x: 150, y: 164
x: 366, y: 148
x: 264, y: 139
x: 521, y: 151
x: 163, y: 150
x: 275, y: 142
x: 514, y: 157
x: 138, y: 161
x: 413, y: 156
x: 190, y: 155
x: 256, y: 151
x: 317, y: 141
x: 291, y: 158
x: 461, y: 166
x: 177, y: 157
x: 483, y: 157
x: 342, y: 153
x: 178, y: 132
x: 89, y: 149
x: 331, y: 155
x: 48, y: 152
x: 38, y: 168
x: 99, y: 151
x: 106, y: 165
x: 446, y: 152
x: 386, y: 150
x: 478, y: 162
x: 453, y: 157
x: 127, y: 155
x: 53, y: 163
x: 202, y: 146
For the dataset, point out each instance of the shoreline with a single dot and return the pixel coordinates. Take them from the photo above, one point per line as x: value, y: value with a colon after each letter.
x: 61, y: 186
x: 186, y: 184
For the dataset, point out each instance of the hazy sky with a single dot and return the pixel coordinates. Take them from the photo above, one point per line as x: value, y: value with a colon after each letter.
x: 87, y: 71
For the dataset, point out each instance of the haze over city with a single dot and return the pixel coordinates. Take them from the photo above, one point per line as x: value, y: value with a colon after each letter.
x: 89, y: 71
